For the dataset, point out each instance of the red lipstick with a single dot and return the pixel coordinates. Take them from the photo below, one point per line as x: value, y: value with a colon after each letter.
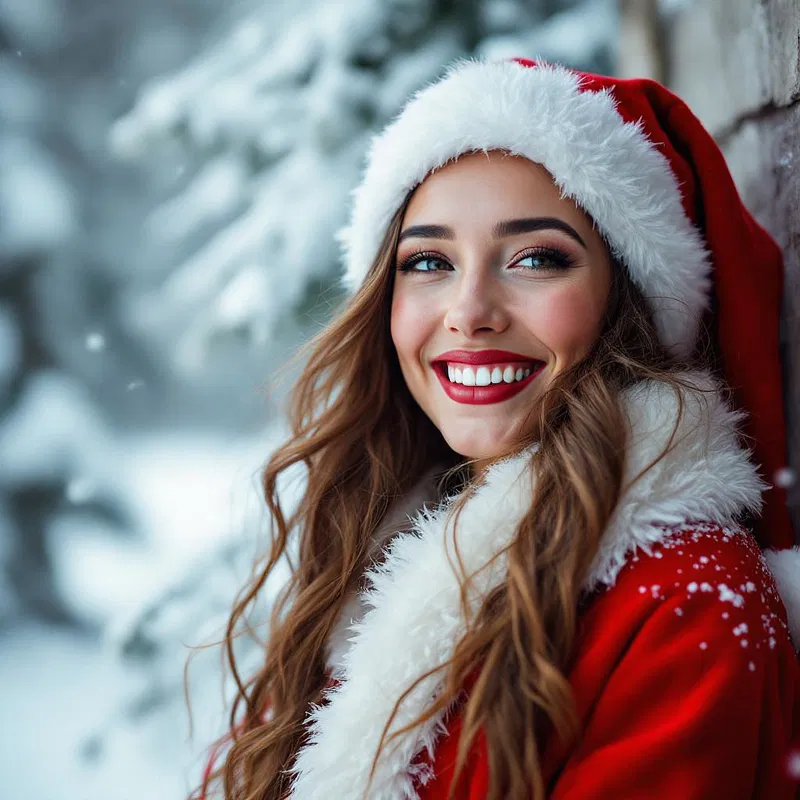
x: 494, y: 392
x: 477, y: 357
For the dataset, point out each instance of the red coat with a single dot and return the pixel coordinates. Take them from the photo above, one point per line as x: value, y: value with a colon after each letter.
x: 685, y: 676
x: 686, y: 681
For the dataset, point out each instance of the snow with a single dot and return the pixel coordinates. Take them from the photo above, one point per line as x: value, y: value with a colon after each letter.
x: 213, y: 193
x: 150, y: 297
x: 37, y: 22
x: 576, y: 36
x: 57, y: 688
x: 36, y: 205
x: 503, y: 15
x: 20, y: 92
x: 188, y: 496
x: 10, y: 345
x: 728, y: 596
x: 785, y: 478
x: 274, y: 130
x: 198, y: 514
x: 95, y: 342
x: 794, y: 764
x: 54, y: 433
x: 670, y: 7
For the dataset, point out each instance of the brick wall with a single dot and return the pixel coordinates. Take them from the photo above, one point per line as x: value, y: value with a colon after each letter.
x: 737, y: 64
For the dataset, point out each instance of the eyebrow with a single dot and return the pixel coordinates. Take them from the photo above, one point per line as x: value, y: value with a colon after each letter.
x: 501, y: 230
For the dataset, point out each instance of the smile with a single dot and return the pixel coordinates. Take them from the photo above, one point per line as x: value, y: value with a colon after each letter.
x: 484, y: 377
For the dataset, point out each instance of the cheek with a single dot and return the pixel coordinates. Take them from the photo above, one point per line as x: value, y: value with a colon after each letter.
x: 407, y: 326
x: 568, y: 318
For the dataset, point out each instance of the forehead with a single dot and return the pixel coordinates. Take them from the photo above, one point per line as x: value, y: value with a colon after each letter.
x: 482, y: 186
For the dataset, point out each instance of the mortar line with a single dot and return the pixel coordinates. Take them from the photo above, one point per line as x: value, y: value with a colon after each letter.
x: 760, y: 114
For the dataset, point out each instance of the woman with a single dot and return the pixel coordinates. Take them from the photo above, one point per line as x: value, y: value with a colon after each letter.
x: 521, y: 566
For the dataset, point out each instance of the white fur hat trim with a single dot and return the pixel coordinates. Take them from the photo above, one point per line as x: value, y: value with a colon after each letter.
x: 608, y: 166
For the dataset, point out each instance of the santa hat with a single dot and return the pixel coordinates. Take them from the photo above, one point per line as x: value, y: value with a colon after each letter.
x: 635, y: 158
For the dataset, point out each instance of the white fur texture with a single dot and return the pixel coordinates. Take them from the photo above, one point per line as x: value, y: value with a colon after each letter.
x: 706, y: 476
x: 609, y: 167
x: 399, y: 519
x: 413, y: 618
x: 785, y: 567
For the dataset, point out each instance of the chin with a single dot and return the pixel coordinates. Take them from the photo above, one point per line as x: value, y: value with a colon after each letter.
x: 476, y: 449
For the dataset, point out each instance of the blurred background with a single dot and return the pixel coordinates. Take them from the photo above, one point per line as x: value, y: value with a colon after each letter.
x: 172, y: 173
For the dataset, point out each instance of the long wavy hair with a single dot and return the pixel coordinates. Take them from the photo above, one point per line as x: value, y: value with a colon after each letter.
x: 364, y: 443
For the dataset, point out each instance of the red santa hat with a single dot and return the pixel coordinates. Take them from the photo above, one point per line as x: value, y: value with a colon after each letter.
x: 635, y: 158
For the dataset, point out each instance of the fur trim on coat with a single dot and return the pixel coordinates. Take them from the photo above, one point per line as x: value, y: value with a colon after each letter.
x: 409, y: 619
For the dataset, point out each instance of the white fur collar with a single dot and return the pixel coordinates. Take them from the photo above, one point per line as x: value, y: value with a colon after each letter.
x: 412, y: 614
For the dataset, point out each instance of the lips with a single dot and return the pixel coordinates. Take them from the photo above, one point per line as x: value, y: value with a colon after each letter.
x: 476, y: 357
x: 471, y: 360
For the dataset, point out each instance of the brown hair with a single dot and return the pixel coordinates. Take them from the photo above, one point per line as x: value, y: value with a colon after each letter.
x: 364, y: 443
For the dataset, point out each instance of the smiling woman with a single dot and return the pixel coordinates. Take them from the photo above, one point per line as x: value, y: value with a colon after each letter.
x: 532, y: 559
x: 518, y: 265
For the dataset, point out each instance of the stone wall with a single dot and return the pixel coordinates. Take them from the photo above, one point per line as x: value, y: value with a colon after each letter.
x: 737, y: 64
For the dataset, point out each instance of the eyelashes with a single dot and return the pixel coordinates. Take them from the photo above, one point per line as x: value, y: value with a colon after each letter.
x: 545, y: 259
x: 542, y: 259
x: 409, y: 264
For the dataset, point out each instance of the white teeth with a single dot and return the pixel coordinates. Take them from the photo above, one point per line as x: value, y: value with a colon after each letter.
x: 486, y: 375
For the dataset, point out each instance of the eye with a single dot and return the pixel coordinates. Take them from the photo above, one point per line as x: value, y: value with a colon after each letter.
x: 424, y: 262
x: 545, y: 259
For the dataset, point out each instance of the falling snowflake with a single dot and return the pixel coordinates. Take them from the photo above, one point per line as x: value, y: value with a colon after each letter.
x: 80, y: 490
x: 793, y: 765
x: 95, y: 342
x: 785, y: 478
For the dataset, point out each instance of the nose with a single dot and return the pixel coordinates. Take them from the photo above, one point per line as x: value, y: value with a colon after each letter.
x: 476, y: 306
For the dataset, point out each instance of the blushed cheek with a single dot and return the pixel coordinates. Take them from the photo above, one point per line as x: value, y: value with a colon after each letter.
x: 568, y: 320
x: 398, y: 323
x: 407, y: 325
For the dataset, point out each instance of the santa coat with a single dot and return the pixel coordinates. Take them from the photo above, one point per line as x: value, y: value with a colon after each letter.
x: 685, y: 675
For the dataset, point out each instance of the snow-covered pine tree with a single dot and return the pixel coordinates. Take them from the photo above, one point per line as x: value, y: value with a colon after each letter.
x: 50, y: 434
x: 266, y: 133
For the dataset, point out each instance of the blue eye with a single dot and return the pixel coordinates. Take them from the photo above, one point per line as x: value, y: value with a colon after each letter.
x: 545, y: 259
x: 424, y: 263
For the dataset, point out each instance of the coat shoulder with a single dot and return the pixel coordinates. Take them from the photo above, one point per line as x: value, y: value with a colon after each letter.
x: 710, y: 573
x: 685, y: 660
